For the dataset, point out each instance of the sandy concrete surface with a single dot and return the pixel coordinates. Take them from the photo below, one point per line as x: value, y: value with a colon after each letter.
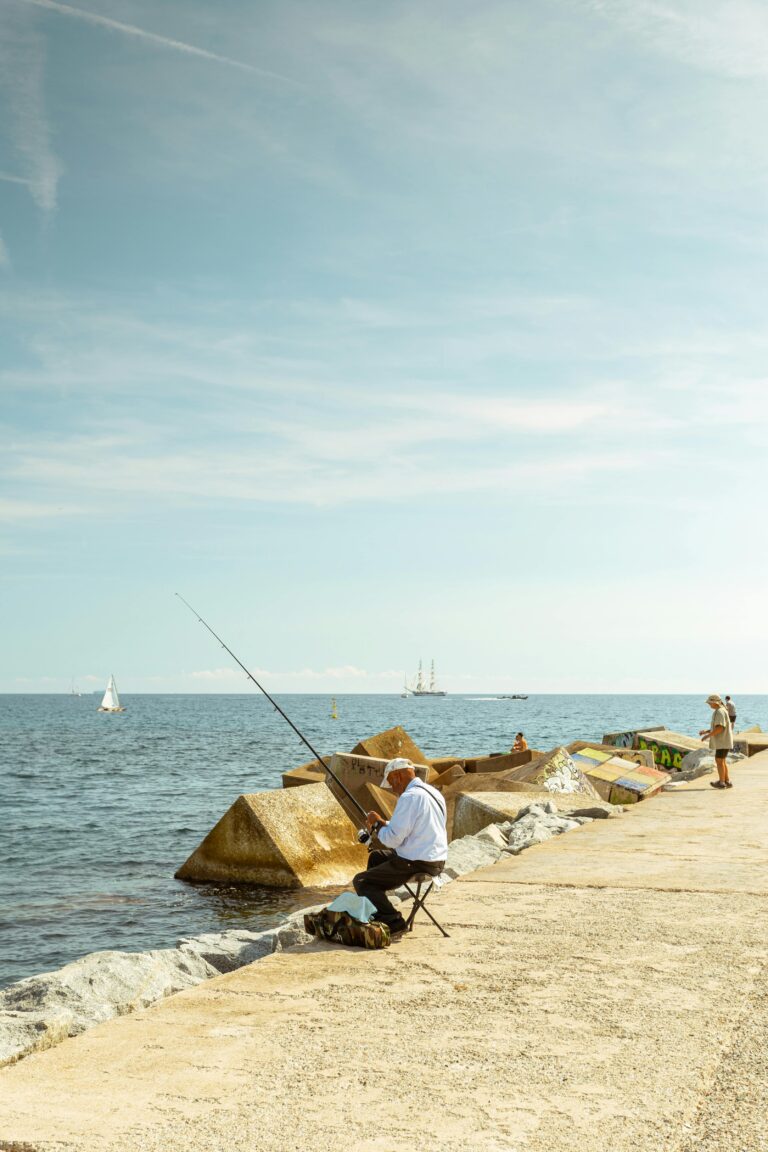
x: 602, y: 992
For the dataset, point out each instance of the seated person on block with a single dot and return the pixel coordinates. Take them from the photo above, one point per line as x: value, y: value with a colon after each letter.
x: 414, y: 840
x: 520, y: 744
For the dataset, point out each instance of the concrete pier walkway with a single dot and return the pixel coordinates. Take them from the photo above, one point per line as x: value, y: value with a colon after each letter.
x: 606, y: 991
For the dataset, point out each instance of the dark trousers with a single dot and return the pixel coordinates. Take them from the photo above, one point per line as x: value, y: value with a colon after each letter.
x: 386, y: 870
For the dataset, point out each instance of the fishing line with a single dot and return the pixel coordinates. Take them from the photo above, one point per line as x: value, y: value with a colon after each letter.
x: 277, y: 707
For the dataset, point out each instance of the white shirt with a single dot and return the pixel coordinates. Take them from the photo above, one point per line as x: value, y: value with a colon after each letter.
x: 417, y: 827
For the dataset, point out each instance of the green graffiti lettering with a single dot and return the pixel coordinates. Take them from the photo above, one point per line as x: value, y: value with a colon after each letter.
x: 665, y: 759
x: 677, y: 759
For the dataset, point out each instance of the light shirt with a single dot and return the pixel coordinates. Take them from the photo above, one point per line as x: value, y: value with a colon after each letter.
x: 417, y: 827
x: 731, y: 710
x: 723, y: 739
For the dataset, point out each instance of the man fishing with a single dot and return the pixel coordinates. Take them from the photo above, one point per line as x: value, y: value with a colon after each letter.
x: 414, y: 840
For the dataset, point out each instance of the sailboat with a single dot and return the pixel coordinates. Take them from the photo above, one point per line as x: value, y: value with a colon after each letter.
x: 420, y: 688
x: 111, y: 701
x: 75, y: 690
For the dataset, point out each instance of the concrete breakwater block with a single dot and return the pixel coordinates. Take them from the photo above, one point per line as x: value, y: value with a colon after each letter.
x: 449, y: 776
x: 619, y: 776
x: 482, y: 782
x: 627, y: 739
x: 477, y: 810
x: 389, y: 744
x: 750, y: 742
x: 285, y: 838
x: 311, y: 773
x: 442, y: 763
x: 355, y: 773
x: 639, y: 756
x: 378, y: 800
x: 668, y: 748
x: 499, y: 762
x: 557, y: 772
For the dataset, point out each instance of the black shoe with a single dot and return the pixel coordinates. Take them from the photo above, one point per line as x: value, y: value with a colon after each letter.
x: 397, y: 927
x: 728, y: 784
x: 717, y: 784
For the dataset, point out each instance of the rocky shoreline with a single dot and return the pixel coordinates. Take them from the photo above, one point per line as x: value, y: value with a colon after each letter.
x: 41, y: 1011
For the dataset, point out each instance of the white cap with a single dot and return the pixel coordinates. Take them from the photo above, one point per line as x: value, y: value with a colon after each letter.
x: 400, y: 764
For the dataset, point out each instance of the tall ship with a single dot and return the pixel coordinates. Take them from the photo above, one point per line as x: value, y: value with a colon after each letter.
x: 421, y: 688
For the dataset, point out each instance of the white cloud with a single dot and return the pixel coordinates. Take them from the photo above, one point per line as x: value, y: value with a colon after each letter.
x: 19, y: 510
x: 151, y: 37
x: 22, y: 67
x: 279, y: 473
x: 345, y: 672
x: 9, y: 178
x: 205, y: 418
x: 726, y: 37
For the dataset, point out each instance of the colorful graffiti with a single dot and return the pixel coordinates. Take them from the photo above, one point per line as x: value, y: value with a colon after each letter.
x: 664, y: 755
x: 624, y: 739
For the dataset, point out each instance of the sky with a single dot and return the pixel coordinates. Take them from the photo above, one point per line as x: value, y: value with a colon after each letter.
x: 384, y: 332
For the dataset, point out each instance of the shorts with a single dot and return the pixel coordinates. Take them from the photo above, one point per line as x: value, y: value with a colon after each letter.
x: 721, y: 753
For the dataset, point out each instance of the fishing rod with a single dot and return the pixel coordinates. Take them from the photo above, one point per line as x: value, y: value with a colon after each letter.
x: 277, y: 707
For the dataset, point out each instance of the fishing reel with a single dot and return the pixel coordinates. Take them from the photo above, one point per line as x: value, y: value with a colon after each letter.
x: 364, y: 835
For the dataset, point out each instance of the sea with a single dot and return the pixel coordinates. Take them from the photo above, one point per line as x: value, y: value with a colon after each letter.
x: 97, y: 811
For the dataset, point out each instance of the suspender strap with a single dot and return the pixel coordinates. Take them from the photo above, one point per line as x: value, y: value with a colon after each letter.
x: 440, y: 803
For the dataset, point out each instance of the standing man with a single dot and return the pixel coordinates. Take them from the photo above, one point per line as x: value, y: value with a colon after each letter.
x: 414, y: 840
x: 720, y: 738
x: 731, y: 710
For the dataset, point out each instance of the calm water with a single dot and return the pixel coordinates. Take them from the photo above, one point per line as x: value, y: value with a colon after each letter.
x: 97, y: 811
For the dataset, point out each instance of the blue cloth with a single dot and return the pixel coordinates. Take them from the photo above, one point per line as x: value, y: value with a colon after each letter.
x: 359, y: 907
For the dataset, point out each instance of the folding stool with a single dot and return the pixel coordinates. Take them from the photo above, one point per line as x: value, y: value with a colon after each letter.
x: 420, y: 899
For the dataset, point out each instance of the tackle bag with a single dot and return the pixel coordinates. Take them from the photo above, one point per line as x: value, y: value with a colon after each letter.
x: 342, y: 928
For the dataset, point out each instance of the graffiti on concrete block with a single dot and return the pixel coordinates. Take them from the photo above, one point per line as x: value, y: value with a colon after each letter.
x: 624, y: 739
x: 663, y: 754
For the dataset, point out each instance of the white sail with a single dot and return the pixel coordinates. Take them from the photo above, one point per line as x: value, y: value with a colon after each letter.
x: 111, y: 701
x: 421, y: 688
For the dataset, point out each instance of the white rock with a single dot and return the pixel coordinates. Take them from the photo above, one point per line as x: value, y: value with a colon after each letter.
x: 469, y: 853
x: 87, y: 991
x: 494, y: 835
x: 537, y: 823
x: 291, y: 936
x: 700, y: 762
x: 527, y: 835
x: 226, y: 951
x: 25, y: 1032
